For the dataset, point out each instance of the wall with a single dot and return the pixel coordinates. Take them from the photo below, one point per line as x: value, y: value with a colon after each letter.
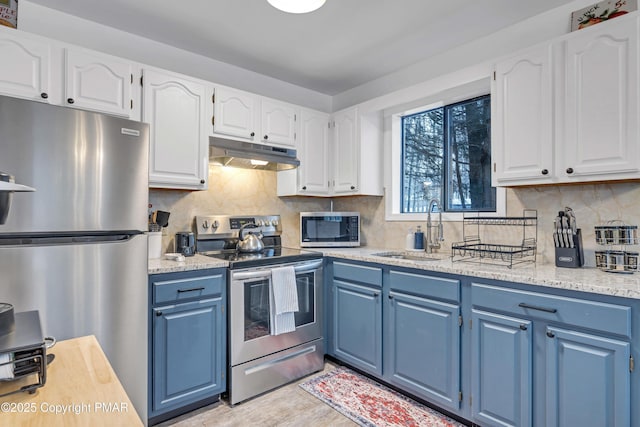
x: 51, y: 23
x: 593, y: 204
x: 232, y: 192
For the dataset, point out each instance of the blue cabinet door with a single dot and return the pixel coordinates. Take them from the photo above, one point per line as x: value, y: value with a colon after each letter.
x: 357, y: 326
x: 501, y: 369
x: 588, y: 380
x: 188, y: 350
x: 423, y: 348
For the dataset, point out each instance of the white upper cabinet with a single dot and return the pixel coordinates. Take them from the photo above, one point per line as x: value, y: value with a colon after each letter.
x: 601, y: 111
x: 311, y: 178
x: 99, y: 82
x: 522, y: 134
x: 346, y: 152
x: 568, y: 111
x: 278, y: 122
x: 175, y: 108
x: 235, y: 113
x: 25, y: 65
x: 340, y: 158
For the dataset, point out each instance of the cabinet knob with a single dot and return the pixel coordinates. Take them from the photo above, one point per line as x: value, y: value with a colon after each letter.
x: 551, y: 334
x: 376, y: 294
x: 304, y: 187
x: 523, y: 327
x: 158, y: 313
x: 353, y: 187
x: 44, y: 95
x: 202, y: 181
x: 569, y: 170
x: 252, y: 134
x: 390, y: 296
x: 266, y: 137
x: 70, y: 100
x: 545, y: 171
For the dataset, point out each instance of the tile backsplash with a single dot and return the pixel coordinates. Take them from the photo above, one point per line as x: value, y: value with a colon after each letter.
x: 245, y: 192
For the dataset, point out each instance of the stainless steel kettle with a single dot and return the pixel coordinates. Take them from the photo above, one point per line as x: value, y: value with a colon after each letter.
x: 251, y: 242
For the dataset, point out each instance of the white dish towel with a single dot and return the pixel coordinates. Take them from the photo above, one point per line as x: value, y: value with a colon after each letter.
x: 284, y: 300
x: 6, y: 371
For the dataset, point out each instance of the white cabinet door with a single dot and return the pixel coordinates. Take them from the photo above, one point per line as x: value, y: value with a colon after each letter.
x: 278, y: 122
x: 313, y: 152
x: 25, y: 66
x: 234, y: 113
x: 522, y: 129
x: 346, y: 153
x: 601, y: 113
x: 98, y: 82
x: 175, y: 107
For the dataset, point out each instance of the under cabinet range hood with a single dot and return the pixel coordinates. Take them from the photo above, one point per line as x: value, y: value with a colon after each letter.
x: 247, y: 155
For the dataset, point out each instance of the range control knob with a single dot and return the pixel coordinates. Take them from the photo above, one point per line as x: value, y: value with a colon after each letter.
x: 216, y: 224
x: 205, y: 224
x: 259, y: 223
x: 274, y: 222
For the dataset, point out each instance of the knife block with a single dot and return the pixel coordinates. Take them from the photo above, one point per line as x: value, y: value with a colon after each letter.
x: 571, y: 257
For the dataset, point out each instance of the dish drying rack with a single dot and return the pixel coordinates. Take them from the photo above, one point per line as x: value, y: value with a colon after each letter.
x: 474, y: 249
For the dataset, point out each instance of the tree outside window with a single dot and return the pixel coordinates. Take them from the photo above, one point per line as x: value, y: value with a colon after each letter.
x: 446, y: 155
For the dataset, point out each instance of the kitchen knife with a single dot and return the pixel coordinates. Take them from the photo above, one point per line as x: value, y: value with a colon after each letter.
x: 565, y: 231
x: 573, y: 231
x: 556, y: 227
x: 559, y: 229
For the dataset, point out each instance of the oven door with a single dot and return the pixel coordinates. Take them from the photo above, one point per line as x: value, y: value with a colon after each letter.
x: 250, y: 308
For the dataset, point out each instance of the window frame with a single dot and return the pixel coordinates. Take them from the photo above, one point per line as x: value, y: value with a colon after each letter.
x: 394, y: 147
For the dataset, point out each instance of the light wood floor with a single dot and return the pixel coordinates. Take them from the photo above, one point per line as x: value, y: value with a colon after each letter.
x: 286, y: 406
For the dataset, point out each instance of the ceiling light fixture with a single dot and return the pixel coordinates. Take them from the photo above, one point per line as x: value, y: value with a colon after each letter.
x: 297, y: 6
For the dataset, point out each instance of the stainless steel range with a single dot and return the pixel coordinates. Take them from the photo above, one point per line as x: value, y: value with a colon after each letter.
x: 261, y: 358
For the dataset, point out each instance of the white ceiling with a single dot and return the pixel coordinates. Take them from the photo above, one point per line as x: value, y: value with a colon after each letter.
x: 342, y: 45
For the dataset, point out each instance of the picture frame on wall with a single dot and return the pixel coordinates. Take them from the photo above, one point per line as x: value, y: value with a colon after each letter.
x: 601, y: 11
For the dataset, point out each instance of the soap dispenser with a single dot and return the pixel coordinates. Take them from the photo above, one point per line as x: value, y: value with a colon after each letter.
x: 409, y: 240
x: 419, y: 239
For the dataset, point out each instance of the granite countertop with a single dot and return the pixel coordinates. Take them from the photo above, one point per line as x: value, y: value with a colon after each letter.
x: 545, y: 275
x: 196, y: 262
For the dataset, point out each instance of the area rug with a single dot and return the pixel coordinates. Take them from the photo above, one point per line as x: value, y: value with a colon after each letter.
x: 371, y: 404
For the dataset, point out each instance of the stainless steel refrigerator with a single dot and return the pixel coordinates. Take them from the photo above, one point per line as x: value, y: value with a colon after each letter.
x: 75, y: 248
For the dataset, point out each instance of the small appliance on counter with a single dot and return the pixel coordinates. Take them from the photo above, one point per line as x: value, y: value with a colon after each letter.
x: 616, y: 257
x: 186, y: 243
x: 23, y: 351
x: 567, y: 239
x: 329, y: 229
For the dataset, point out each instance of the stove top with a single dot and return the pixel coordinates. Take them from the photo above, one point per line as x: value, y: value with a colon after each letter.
x: 217, y: 237
x: 268, y: 256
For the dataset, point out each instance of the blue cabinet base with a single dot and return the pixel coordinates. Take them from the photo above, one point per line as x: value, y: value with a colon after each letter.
x: 213, y: 400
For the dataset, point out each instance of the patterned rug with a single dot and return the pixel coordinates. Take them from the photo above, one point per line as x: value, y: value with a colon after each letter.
x: 371, y: 404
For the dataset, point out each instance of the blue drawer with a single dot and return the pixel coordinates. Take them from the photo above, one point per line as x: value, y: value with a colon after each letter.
x: 187, y: 288
x: 358, y: 273
x: 426, y: 286
x: 594, y: 315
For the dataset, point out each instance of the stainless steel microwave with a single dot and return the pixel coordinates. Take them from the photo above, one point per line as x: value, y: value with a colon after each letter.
x: 329, y: 229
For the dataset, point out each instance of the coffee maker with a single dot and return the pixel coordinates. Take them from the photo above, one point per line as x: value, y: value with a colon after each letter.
x: 186, y: 243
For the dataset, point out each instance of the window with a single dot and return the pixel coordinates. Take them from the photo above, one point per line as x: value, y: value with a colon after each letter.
x: 446, y: 155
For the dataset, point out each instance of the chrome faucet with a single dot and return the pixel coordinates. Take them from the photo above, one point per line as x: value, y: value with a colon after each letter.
x: 431, y: 243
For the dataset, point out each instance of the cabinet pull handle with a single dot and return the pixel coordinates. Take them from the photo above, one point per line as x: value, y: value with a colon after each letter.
x: 523, y: 327
x: 545, y: 171
x: 158, y: 313
x: 535, y: 307
x: 569, y: 170
x: 191, y: 290
x: 44, y: 95
x: 551, y: 334
x: 70, y: 100
x: 266, y: 137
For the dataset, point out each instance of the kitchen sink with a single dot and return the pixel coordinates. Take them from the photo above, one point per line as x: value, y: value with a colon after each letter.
x: 406, y: 256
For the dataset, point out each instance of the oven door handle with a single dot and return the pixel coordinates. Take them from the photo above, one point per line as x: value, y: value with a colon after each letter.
x: 266, y: 274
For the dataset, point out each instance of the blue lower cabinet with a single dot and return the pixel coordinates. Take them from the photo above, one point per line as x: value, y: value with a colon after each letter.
x: 501, y: 370
x: 422, y: 348
x: 588, y: 380
x: 357, y: 325
x: 188, y: 353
